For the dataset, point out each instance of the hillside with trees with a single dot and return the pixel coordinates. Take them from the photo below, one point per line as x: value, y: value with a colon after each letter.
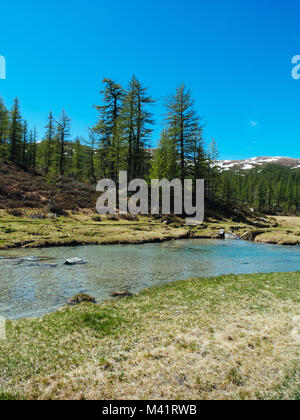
x: 121, y: 139
x: 271, y: 189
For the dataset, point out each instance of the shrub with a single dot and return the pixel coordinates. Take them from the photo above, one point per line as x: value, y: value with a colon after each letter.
x: 15, y: 212
x: 129, y: 217
x: 31, y: 204
x: 80, y: 298
x: 57, y: 209
x: 113, y: 217
x: 97, y: 218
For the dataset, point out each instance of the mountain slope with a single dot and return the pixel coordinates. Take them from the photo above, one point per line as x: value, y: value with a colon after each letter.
x: 252, y: 163
x: 20, y: 188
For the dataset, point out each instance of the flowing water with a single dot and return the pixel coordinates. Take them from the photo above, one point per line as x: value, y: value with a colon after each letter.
x: 35, y: 282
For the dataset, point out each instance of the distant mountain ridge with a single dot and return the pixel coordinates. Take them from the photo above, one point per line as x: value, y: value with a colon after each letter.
x: 246, y: 164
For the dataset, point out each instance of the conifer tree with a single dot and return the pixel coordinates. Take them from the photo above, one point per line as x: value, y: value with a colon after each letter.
x: 4, y: 127
x: 34, y: 149
x: 138, y: 123
x: 78, y: 158
x: 183, y: 126
x: 92, y: 152
x: 16, y: 133
x: 24, y: 145
x: 64, y: 131
x: 165, y: 162
x: 213, y: 172
x: 108, y: 127
x: 49, y: 138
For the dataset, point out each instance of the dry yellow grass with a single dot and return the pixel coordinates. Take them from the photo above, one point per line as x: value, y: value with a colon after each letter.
x: 82, y: 229
x: 288, y: 221
x: 287, y: 233
x: 225, y: 338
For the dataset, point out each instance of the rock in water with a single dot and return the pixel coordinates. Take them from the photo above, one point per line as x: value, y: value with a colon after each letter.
x: 81, y: 298
x: 231, y: 235
x: 75, y: 261
x: 121, y: 294
x: 221, y: 233
x: 42, y: 265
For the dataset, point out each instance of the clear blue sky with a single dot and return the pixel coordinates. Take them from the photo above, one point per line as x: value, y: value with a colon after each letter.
x: 234, y: 55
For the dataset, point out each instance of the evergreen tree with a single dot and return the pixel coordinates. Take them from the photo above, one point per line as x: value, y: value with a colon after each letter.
x: 108, y: 127
x: 64, y: 128
x: 213, y: 172
x: 91, y: 159
x: 78, y: 158
x: 200, y: 158
x: 183, y: 127
x: 165, y: 161
x: 138, y: 123
x: 16, y: 133
x: 4, y: 128
x: 24, y: 145
x: 34, y: 149
x: 49, y: 138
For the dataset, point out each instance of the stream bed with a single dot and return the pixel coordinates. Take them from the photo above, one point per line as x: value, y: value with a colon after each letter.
x: 36, y: 282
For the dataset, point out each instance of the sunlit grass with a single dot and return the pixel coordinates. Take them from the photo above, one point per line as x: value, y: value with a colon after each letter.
x: 83, y: 229
x: 222, y: 338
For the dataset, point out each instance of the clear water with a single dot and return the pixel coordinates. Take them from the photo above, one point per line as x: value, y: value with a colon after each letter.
x: 42, y: 283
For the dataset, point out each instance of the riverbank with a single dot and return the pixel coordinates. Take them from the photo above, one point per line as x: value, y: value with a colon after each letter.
x: 23, y: 228
x: 231, y: 337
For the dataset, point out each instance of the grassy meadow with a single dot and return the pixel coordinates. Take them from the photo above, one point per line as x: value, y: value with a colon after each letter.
x: 230, y: 337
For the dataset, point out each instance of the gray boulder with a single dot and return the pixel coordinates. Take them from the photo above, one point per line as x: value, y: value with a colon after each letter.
x: 75, y: 261
x: 231, y: 235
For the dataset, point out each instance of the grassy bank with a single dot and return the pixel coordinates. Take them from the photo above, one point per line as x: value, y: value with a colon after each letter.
x: 286, y: 233
x: 19, y: 229
x: 87, y: 228
x: 220, y: 338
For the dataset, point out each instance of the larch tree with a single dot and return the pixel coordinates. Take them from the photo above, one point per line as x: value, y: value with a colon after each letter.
x: 16, y: 133
x: 108, y: 127
x: 49, y: 139
x: 78, y: 157
x: 138, y: 121
x: 4, y: 127
x: 92, y: 152
x: 213, y: 170
x: 183, y: 126
x: 64, y: 132
x: 24, y: 145
x: 164, y: 164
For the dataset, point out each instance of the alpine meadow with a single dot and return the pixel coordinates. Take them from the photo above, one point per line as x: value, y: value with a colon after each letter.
x: 149, y: 203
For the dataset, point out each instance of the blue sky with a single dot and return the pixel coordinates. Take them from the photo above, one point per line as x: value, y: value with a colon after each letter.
x: 234, y: 55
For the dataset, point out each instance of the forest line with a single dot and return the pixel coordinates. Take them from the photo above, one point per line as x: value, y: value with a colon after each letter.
x: 121, y: 140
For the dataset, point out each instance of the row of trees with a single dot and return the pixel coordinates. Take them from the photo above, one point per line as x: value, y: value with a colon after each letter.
x: 21, y: 146
x: 120, y: 140
x: 271, y: 189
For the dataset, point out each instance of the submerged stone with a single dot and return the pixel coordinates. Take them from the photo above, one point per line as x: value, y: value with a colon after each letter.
x: 75, y: 261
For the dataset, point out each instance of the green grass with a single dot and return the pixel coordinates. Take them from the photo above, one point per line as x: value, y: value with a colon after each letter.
x: 9, y: 397
x: 228, y: 337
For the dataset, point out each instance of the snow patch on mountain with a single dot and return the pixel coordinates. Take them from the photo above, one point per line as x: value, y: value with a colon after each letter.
x: 255, y: 162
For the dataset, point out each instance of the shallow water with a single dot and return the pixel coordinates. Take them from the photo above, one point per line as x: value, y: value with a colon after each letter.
x: 35, y: 282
